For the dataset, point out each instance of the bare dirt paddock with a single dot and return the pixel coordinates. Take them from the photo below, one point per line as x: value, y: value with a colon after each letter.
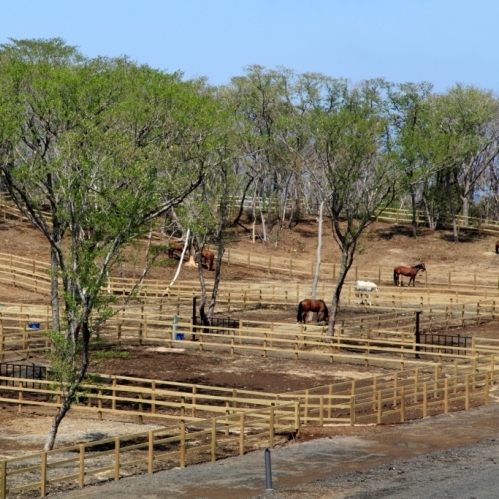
x: 26, y: 432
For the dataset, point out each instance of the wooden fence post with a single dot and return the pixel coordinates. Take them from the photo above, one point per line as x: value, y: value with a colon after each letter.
x: 297, y: 418
x: 352, y: 410
x: 425, y: 399
x: 3, y: 483
x: 213, y: 440
x: 486, y: 388
x: 271, y: 427
x: 467, y: 392
x: 241, y: 433
x: 81, y: 467
x: 446, y: 396
x: 43, y: 477
x: 380, y: 407
x: 20, y: 408
x: 402, y: 404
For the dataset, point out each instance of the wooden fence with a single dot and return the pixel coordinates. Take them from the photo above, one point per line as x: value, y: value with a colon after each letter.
x: 398, y: 396
x: 178, y: 445
x: 371, y: 337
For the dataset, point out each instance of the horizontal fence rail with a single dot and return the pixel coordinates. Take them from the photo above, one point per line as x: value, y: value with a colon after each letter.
x: 398, y: 396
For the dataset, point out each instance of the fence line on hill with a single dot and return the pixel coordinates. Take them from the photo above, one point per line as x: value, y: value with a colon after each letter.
x: 390, y: 215
x: 34, y: 274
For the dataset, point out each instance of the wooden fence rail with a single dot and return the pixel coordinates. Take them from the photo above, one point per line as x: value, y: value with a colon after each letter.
x: 205, y: 440
x: 398, y: 396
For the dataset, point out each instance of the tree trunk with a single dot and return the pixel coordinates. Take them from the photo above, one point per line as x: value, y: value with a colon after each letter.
x: 202, y: 283
x: 69, y: 387
x: 453, y: 212
x: 216, y: 282
x: 346, y: 262
x: 241, y: 204
x: 54, y: 289
x: 414, y: 214
x: 319, y: 247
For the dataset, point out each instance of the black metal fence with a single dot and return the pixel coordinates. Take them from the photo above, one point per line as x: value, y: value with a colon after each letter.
x: 220, y: 325
x: 445, y: 340
x: 24, y: 371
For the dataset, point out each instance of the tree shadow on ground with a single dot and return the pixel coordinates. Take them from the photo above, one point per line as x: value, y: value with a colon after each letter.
x: 465, y: 236
x: 387, y: 233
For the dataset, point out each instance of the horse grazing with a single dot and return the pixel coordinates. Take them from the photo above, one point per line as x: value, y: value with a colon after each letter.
x: 306, y: 306
x: 363, y: 290
x: 207, y: 255
x: 410, y: 272
x: 175, y: 246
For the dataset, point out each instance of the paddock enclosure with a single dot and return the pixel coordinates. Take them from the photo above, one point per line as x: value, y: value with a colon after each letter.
x: 413, y: 353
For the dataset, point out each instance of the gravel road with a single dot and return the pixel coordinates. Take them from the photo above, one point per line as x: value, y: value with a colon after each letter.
x: 450, y: 456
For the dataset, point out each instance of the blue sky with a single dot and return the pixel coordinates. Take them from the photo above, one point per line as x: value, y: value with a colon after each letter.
x: 440, y: 41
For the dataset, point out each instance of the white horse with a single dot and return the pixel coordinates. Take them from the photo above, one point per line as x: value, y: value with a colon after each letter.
x: 363, y: 290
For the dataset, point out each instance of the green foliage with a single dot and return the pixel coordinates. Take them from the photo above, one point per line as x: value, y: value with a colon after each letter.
x: 110, y: 354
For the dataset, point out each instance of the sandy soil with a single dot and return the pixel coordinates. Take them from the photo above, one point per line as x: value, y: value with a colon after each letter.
x: 382, y: 244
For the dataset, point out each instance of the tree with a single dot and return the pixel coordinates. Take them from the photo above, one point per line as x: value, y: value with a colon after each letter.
x: 409, y: 119
x: 262, y: 103
x: 463, y: 143
x: 352, y: 167
x: 105, y: 146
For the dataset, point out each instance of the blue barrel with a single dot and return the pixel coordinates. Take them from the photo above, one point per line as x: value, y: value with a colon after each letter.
x: 34, y: 325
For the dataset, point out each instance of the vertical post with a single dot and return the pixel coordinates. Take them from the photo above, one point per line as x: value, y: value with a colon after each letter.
x: 182, y: 444
x: 116, y: 458
x: 241, y: 434
x: 213, y: 440
x: 425, y: 399
x: 113, y: 401
x: 43, y: 484
x: 20, y: 408
x: 150, y: 453
x: 3, y: 484
x: 99, y: 405
x: 486, y: 388
x: 271, y: 427
x: 467, y: 392
x: 297, y: 418
x: 194, y: 318
x: 268, y: 471
x: 402, y: 404
x: 352, y: 410
x: 81, y: 467
x: 153, y: 397
x: 380, y: 407
x: 446, y: 396
x: 417, y: 333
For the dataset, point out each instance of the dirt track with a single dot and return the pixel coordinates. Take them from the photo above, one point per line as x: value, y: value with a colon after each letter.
x: 377, y: 462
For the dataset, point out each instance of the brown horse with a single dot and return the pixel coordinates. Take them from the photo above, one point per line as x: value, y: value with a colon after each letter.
x: 207, y: 255
x: 175, y: 246
x: 306, y: 306
x: 410, y: 272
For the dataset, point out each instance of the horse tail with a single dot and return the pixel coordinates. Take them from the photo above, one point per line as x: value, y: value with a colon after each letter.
x: 395, y: 279
x: 300, y: 312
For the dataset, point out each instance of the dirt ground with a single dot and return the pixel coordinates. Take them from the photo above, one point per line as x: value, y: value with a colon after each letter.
x: 382, y: 244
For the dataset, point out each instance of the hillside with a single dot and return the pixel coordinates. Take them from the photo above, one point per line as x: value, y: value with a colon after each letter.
x: 382, y: 244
